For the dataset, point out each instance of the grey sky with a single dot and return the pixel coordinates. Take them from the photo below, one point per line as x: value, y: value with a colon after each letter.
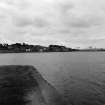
x: 72, y: 23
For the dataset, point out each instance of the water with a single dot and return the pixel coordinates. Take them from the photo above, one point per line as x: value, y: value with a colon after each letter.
x: 79, y: 76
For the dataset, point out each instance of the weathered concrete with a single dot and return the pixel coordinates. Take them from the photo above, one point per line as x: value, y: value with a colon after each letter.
x: 23, y: 85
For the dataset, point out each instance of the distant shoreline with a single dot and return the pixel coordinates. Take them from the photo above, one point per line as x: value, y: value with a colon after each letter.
x: 26, y: 48
x: 9, y: 52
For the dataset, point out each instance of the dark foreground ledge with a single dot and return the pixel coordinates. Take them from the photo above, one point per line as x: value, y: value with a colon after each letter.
x: 23, y: 85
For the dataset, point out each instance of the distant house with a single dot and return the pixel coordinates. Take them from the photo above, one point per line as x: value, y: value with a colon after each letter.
x: 10, y: 47
x: 57, y: 48
x: 28, y: 50
x: 38, y: 48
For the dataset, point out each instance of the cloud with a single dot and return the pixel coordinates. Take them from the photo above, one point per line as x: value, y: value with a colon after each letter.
x: 85, y: 14
x: 65, y: 21
x: 37, y: 22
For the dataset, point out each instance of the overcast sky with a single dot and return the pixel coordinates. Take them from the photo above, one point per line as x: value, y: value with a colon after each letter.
x: 74, y: 23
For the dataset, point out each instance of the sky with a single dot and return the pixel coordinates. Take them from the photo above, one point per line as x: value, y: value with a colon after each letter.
x: 73, y: 23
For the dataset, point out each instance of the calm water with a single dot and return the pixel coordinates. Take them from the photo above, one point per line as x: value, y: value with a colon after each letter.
x: 79, y: 76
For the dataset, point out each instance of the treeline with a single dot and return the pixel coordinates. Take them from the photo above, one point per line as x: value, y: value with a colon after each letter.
x: 23, y: 47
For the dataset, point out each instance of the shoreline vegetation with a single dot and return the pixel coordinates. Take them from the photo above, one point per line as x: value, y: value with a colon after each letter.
x: 26, y: 48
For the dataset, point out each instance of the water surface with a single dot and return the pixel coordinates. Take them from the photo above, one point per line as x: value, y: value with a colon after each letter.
x: 79, y: 76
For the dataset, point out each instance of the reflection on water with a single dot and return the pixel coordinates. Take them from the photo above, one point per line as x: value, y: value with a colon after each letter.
x: 80, y: 77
